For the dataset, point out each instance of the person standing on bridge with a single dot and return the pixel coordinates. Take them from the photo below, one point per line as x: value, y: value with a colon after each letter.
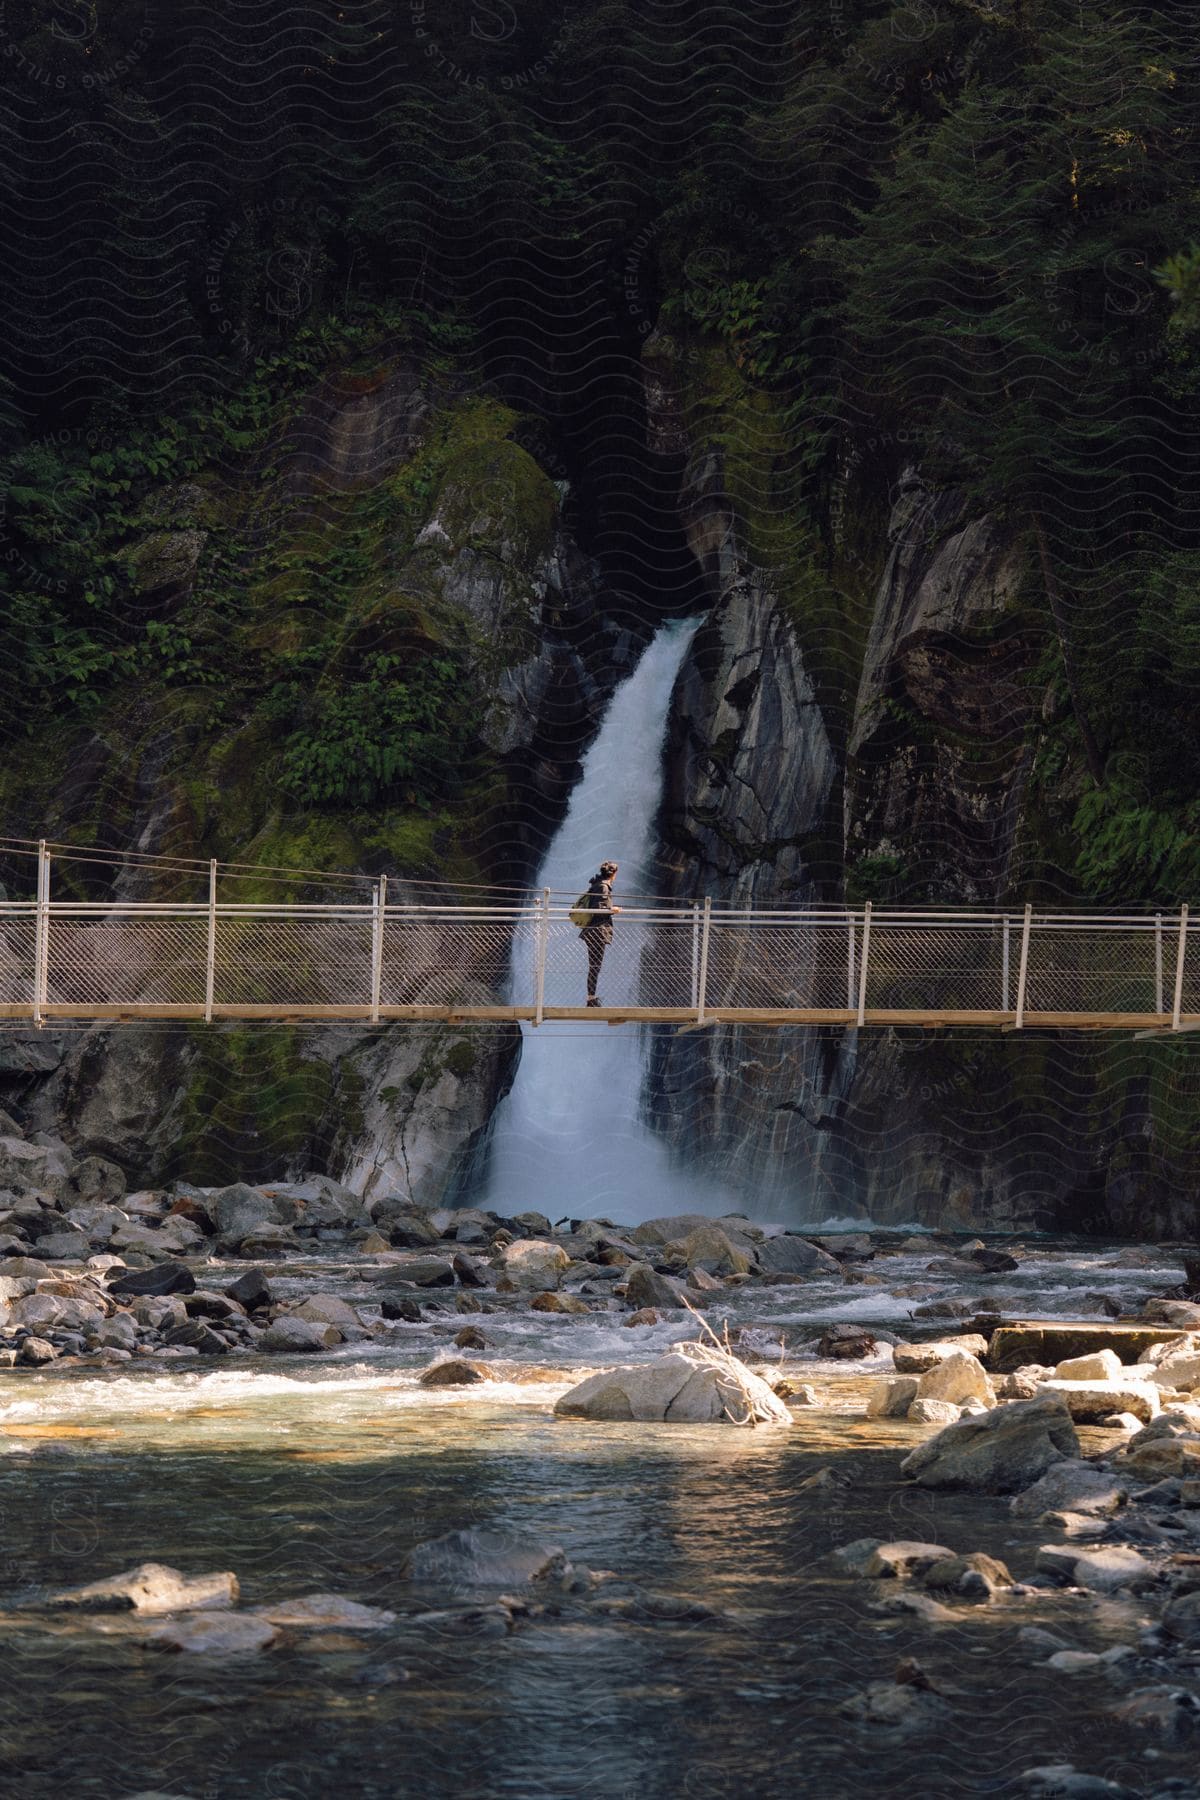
x: 597, y: 933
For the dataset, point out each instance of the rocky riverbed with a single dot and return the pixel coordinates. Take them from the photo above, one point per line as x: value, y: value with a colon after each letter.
x: 372, y: 1476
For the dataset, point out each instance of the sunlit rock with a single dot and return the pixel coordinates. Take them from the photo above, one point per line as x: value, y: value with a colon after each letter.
x: 996, y: 1452
x: 150, y: 1588
x: 677, y: 1389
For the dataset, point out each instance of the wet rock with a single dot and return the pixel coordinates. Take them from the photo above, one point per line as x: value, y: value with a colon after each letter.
x: 117, y: 1333
x: 975, y: 1576
x: 1185, y: 1313
x: 470, y: 1338
x: 468, y: 1621
x: 251, y: 1290
x: 709, y: 1248
x: 701, y: 1282
x: 824, y: 1481
x: 1062, y: 1781
x: 469, y: 1303
x: 956, y: 1378
x: 1089, y: 1401
x: 36, y: 1351
x: 996, y: 1452
x: 372, y: 1243
x: 926, y: 1411
x: 918, y: 1359
x: 194, y: 1334
x: 422, y: 1271
x: 645, y: 1287
x: 994, y: 1262
x: 903, y: 1558
x: 407, y: 1309
x: 326, y: 1309
x: 483, y: 1557
x: 846, y: 1343
x: 268, y: 1240
x: 238, y: 1210
x: 943, y: 1309
x: 203, y: 1304
x: 320, y: 1612
x: 646, y: 1316
x: 1088, y: 1662
x: 534, y: 1263
x: 470, y: 1273
x: 166, y: 1278
x: 1073, y: 1486
x: 675, y: 1389
x: 788, y: 1255
x: 1099, y: 1365
x: 291, y: 1335
x: 1172, y: 1712
x: 454, y: 1372
x: 151, y: 1588
x: 679, y: 1225
x: 902, y: 1707
x: 406, y: 1226
x: 1181, y: 1619
x: 212, y: 1634
x: 558, y: 1303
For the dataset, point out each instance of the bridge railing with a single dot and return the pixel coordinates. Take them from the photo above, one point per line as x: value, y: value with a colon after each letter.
x: 372, y: 959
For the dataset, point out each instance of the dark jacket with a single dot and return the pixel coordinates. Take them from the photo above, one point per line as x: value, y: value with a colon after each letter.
x: 600, y: 901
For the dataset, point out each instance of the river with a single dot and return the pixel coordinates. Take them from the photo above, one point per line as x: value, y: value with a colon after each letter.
x: 304, y: 1477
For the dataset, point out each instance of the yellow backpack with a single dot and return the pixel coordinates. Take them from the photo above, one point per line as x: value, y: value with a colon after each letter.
x: 581, y: 913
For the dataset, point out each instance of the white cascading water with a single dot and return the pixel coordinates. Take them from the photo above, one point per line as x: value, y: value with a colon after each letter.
x: 567, y: 1139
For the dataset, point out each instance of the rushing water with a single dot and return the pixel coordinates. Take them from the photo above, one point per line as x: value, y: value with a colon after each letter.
x: 568, y: 1139
x: 321, y: 1476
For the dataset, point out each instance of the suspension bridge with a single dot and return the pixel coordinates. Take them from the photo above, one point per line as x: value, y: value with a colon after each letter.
x: 376, y: 959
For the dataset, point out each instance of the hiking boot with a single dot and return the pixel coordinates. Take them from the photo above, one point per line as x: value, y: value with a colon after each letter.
x: 592, y: 1000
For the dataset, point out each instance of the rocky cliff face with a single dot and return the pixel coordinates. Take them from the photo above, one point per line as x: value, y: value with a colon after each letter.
x: 922, y: 791
x: 462, y: 551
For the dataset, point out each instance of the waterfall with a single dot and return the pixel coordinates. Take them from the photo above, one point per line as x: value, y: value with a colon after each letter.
x: 567, y: 1139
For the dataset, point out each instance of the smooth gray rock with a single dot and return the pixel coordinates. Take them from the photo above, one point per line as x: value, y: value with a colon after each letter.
x: 674, y: 1390
x: 997, y: 1452
x: 644, y: 1286
x: 423, y: 1271
x: 151, y: 1588
x: 1071, y: 1486
x: 483, y: 1557
x: 292, y: 1335
x: 789, y: 1255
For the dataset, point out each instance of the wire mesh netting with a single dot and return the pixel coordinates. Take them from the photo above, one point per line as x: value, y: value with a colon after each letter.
x: 1110, y: 969
x: 18, y: 936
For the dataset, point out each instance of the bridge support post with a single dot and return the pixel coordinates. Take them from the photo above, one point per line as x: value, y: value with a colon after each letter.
x: 41, y: 934
x: 1160, y: 1002
x: 695, y: 953
x: 1005, y: 961
x: 543, y: 934
x: 1023, y: 968
x: 378, y: 912
x: 851, y: 982
x: 862, y: 966
x: 1180, y: 959
x: 210, y: 955
x: 702, y: 974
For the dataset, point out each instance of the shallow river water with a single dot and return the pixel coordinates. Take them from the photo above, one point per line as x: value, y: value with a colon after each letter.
x: 306, y: 1478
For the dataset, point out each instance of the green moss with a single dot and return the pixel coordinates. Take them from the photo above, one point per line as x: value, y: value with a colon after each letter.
x: 252, y: 1103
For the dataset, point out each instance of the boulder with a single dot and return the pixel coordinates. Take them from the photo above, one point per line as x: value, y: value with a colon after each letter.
x: 1184, y: 1313
x: 64, y: 1246
x: 891, y: 1396
x: 709, y: 1248
x: 647, y: 1316
x: 918, y: 1359
x: 194, y: 1334
x: 997, y: 1452
x: 470, y: 1338
x: 975, y: 1576
x: 166, y: 1278
x: 422, y: 1271
x: 95, y: 1179
x: 676, y: 1389
x: 407, y: 1228
x: 534, y: 1263
x: 470, y: 1272
x: 925, y: 1410
x: 1071, y: 1486
x: 1180, y: 1370
x: 97, y: 1222
x: 324, y: 1612
x: 36, y: 1351
x: 151, y: 1588
x: 956, y: 1378
x: 117, y: 1333
x: 789, y: 1255
x: 404, y: 1308
x: 1181, y: 1619
x: 902, y: 1558
x: 558, y: 1303
x: 290, y: 1334
x: 27, y: 1168
x: 1104, y: 1570
x: 481, y: 1557
x: 326, y: 1309
x: 644, y: 1287
x: 1090, y: 1401
x: 679, y: 1225
x: 251, y: 1290
x: 268, y: 1240
x: 454, y: 1372
x: 238, y: 1210
x: 846, y: 1343
x: 1100, y: 1365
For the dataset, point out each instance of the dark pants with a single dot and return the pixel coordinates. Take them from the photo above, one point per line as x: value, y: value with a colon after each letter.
x: 596, y: 946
